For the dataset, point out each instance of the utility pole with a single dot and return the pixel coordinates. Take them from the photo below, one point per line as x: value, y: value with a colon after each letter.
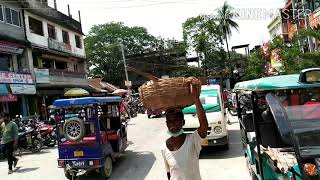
x: 304, y: 4
x: 294, y: 7
x: 124, y: 62
x: 127, y: 82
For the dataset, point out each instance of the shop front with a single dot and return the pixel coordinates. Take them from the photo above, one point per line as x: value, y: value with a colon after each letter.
x: 15, y: 88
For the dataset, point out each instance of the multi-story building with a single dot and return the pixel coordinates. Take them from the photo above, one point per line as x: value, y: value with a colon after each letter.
x: 56, y: 53
x: 278, y: 27
x: 16, y: 83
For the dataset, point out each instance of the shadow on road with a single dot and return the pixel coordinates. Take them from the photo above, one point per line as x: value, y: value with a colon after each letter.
x: 235, y: 149
x: 25, y: 170
x: 132, y: 165
x: 21, y: 153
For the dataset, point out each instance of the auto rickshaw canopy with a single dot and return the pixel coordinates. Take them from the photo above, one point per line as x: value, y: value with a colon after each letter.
x: 84, y: 101
x: 274, y: 83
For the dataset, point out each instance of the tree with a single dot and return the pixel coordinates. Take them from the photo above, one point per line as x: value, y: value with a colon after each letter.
x: 256, y: 65
x: 202, y: 34
x: 225, y: 15
x: 104, y: 58
x: 189, y: 71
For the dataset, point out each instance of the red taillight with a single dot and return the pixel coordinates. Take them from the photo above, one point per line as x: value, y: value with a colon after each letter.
x: 310, y: 169
x: 61, y: 163
x: 96, y: 162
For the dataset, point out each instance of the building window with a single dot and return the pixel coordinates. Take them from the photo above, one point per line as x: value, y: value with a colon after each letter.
x: 1, y: 14
x: 61, y: 65
x: 65, y: 37
x: 51, y: 31
x: 35, y: 26
x: 78, y: 41
x: 5, y: 62
x: 48, y: 63
x: 75, y: 67
x: 12, y: 17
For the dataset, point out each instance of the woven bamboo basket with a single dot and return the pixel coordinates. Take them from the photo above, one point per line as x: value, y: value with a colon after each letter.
x: 162, y: 94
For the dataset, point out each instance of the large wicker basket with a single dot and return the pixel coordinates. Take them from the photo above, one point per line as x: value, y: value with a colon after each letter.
x: 163, y: 94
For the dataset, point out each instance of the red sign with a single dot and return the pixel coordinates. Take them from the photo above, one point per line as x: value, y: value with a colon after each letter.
x: 14, y: 78
x: 9, y: 98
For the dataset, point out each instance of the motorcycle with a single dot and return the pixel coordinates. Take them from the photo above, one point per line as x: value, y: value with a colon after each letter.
x: 48, y: 134
x: 232, y: 109
x: 29, y: 137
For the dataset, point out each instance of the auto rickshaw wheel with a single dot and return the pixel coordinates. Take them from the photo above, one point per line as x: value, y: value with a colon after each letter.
x: 74, y: 129
x: 106, y: 170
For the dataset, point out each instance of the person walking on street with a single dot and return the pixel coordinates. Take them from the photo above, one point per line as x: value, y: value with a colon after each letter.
x: 9, y: 132
x: 181, y: 152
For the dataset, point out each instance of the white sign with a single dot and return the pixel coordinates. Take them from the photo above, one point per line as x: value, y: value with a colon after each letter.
x: 42, y: 75
x: 14, y: 78
x: 23, y: 89
x: 165, y: 77
x: 128, y: 83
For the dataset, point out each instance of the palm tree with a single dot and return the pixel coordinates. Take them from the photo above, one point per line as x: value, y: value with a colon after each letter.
x: 225, y: 15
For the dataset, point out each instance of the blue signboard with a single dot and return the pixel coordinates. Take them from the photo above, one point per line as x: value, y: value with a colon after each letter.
x: 3, y: 90
x: 212, y: 81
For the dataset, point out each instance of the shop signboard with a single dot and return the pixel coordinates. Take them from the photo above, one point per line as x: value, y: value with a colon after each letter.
x: 8, y: 98
x: 23, y: 89
x: 10, y: 48
x: 3, y: 90
x: 42, y: 75
x: 212, y: 82
x: 15, y: 78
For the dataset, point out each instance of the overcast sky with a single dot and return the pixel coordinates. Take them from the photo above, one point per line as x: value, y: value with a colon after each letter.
x: 165, y: 17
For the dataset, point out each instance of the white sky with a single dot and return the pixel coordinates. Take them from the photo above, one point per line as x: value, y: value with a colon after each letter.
x: 165, y: 17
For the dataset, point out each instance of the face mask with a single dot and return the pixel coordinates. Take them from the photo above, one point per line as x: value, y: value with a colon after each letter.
x: 175, y: 134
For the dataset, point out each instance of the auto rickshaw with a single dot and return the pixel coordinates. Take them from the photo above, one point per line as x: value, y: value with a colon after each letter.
x: 280, y: 125
x: 91, y: 134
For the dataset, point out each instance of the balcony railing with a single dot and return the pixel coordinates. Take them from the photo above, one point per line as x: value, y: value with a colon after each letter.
x: 59, y: 46
x: 64, y: 73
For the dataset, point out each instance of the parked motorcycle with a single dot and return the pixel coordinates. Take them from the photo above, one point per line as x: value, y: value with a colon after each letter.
x: 29, y: 139
x: 48, y: 134
x: 29, y: 134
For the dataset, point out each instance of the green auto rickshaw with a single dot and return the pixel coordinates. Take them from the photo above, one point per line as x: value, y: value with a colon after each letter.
x: 279, y: 121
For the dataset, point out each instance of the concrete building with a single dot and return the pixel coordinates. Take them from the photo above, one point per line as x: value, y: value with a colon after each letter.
x: 56, y: 53
x: 276, y: 28
x: 16, y: 82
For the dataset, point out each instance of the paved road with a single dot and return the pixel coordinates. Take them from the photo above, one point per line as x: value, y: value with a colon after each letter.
x: 142, y: 159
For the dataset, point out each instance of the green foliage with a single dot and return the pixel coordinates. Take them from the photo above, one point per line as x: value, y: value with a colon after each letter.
x: 293, y: 59
x: 190, y: 71
x: 202, y: 33
x: 310, y: 32
x: 226, y: 14
x: 103, y: 50
x: 255, y: 68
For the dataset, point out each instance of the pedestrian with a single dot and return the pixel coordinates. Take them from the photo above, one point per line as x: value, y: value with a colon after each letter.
x: 9, y: 132
x: 181, y: 151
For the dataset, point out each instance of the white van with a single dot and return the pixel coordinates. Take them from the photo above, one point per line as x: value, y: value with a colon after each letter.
x: 212, y: 102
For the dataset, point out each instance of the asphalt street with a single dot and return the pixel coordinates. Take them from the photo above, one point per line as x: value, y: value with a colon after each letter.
x: 142, y: 159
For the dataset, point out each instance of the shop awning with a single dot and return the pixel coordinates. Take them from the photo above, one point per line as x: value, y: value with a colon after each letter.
x: 3, y: 90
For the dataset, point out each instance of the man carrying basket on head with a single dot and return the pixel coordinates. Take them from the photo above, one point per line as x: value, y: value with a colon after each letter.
x: 181, y: 151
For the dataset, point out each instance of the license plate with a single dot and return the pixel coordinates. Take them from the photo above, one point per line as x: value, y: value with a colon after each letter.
x: 205, y: 142
x: 78, y: 163
x: 78, y: 153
